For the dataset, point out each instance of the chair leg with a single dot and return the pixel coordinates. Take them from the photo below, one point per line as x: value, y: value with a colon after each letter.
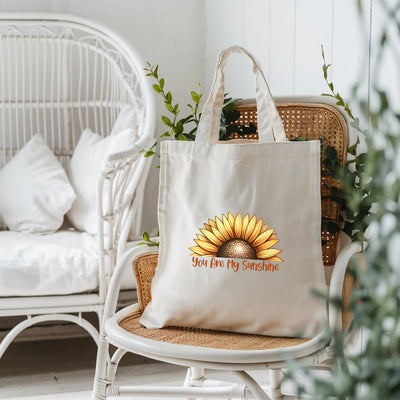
x: 100, y: 379
x: 194, y: 377
x: 252, y: 385
x: 275, y: 378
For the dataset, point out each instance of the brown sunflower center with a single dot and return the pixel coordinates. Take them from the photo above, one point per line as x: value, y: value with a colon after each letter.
x: 237, y: 248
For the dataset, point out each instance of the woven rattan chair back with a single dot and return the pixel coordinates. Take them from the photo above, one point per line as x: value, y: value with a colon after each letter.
x: 313, y: 122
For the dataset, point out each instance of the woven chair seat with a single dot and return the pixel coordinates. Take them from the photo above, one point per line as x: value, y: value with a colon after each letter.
x: 206, y: 338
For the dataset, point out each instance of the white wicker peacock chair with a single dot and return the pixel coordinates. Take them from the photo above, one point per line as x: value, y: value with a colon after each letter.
x: 60, y: 74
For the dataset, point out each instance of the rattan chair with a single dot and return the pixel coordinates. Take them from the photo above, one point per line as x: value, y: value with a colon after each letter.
x: 61, y: 74
x: 198, y: 349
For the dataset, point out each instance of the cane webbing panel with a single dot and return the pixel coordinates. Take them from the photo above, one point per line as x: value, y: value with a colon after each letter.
x: 207, y: 338
x: 349, y: 283
x: 347, y: 315
x: 144, y: 269
x: 311, y: 122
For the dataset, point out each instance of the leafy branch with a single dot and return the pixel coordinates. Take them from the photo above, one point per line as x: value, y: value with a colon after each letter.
x: 176, y: 127
x: 148, y: 241
x: 354, y: 197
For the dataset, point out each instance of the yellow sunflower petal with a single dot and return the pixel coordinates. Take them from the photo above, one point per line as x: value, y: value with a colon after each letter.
x: 264, y: 228
x: 222, y: 229
x: 218, y: 234
x: 211, y: 237
x: 212, y: 223
x: 231, y: 220
x: 250, y: 227
x: 263, y: 237
x: 275, y: 259
x: 228, y: 225
x: 207, y: 246
x: 272, y: 236
x: 268, y: 253
x: 245, y: 223
x: 201, y: 237
x: 267, y: 245
x: 256, y: 231
x: 238, y: 225
x: 208, y: 227
x: 199, y: 251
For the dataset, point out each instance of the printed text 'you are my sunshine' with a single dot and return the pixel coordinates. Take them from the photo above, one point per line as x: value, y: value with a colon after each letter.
x: 233, y: 265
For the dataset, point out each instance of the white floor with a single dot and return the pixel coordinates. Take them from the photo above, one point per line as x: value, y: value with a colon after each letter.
x: 64, y: 370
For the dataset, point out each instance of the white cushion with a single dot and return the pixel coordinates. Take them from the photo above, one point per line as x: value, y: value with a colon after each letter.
x: 64, y: 262
x: 126, y: 120
x: 35, y: 191
x: 83, y: 172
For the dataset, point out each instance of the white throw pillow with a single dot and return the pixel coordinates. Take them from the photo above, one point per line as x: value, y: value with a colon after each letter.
x: 126, y: 120
x: 35, y: 191
x: 83, y: 172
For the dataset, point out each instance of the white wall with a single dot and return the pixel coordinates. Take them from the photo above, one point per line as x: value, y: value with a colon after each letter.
x: 286, y: 37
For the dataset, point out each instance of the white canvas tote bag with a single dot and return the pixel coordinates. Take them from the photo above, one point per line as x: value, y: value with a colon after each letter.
x: 240, y: 226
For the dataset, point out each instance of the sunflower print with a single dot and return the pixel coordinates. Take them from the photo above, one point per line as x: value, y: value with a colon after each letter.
x: 237, y: 237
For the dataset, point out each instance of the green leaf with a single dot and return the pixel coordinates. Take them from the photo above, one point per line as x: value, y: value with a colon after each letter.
x: 352, y: 149
x: 168, y: 97
x: 384, y: 100
x: 165, y: 134
x: 231, y: 116
x: 149, y: 153
x: 157, y: 88
x: 332, y: 227
x: 331, y: 153
x: 162, y: 83
x: 167, y: 121
x: 146, y: 236
x: 178, y: 127
x: 229, y: 106
x: 325, y: 69
x: 169, y: 107
x: 355, y: 123
x: 195, y: 97
x: 182, y: 137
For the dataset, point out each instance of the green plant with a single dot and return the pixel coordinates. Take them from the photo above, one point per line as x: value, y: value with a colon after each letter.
x: 186, y: 128
x: 373, y: 372
x: 176, y: 126
x: 355, y: 189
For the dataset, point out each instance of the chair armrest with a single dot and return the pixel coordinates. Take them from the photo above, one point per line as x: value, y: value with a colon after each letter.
x: 119, y: 189
x: 115, y: 284
x: 336, y: 286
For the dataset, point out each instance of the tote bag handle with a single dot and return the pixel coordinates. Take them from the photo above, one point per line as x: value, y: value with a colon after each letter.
x: 270, y: 127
